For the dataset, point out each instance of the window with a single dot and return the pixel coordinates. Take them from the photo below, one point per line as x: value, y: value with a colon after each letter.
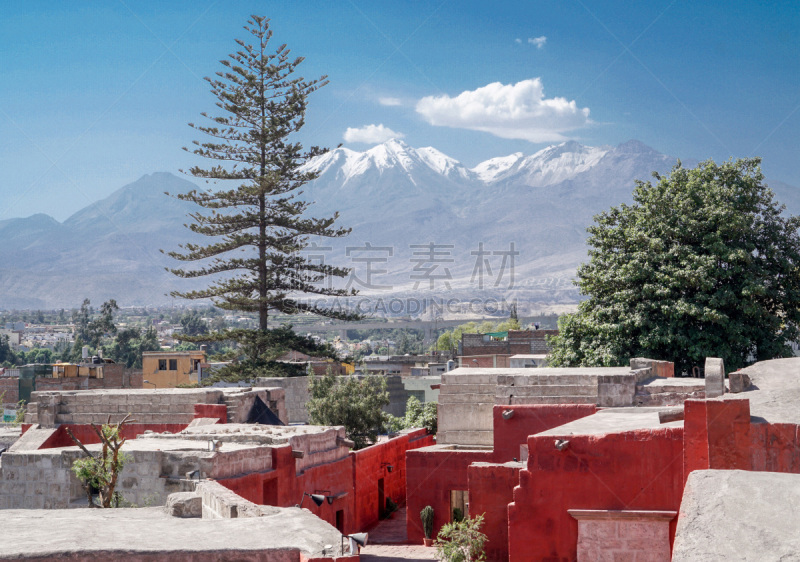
x: 162, y: 364
x: 173, y: 364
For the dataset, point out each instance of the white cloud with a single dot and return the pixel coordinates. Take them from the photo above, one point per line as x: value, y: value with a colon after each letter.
x: 518, y: 41
x: 538, y: 41
x: 371, y: 134
x: 514, y: 111
x: 390, y: 101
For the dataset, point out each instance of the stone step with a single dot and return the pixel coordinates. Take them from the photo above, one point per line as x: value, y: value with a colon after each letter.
x: 557, y: 379
x: 676, y: 388
x: 470, y: 388
x: 469, y: 398
x: 468, y: 379
x: 547, y: 390
x: 552, y: 400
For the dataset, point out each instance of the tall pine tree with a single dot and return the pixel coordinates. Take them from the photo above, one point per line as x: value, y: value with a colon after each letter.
x: 257, y: 214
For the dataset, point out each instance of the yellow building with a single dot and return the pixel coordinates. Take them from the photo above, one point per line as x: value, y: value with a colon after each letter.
x: 168, y: 369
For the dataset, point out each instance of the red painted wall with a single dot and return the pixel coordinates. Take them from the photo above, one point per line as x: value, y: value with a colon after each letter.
x: 368, y: 470
x: 86, y: 435
x: 219, y: 411
x: 353, y: 481
x: 491, y: 489
x: 430, y: 475
x: 530, y: 420
x: 640, y: 469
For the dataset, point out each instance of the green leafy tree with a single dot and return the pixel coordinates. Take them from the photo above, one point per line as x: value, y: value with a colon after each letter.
x: 259, y: 224
x: 7, y: 354
x: 91, y: 331
x: 192, y: 324
x: 421, y: 415
x: 129, y: 345
x: 355, y: 403
x: 461, y: 541
x: 99, y: 473
x: 703, y: 263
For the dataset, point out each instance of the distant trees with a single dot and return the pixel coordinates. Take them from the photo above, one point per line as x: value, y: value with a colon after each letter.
x: 130, y: 343
x: 703, y: 263
x: 450, y: 340
x: 258, y: 225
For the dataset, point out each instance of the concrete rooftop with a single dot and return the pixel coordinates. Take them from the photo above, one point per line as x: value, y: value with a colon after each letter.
x: 119, y: 534
x: 614, y: 420
x: 592, y: 371
x: 775, y: 397
x: 735, y: 515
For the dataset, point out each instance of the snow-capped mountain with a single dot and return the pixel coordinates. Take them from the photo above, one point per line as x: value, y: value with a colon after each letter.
x: 394, y: 197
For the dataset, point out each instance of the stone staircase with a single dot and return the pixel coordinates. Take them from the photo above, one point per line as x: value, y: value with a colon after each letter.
x: 232, y: 402
x: 546, y: 389
x: 668, y: 392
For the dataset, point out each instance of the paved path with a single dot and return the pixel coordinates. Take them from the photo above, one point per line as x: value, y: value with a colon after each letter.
x: 387, y: 543
x: 397, y: 553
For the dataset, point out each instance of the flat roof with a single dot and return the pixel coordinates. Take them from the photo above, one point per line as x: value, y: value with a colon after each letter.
x: 775, y: 396
x: 614, y: 420
x: 125, y: 532
x: 540, y: 371
x: 738, y: 515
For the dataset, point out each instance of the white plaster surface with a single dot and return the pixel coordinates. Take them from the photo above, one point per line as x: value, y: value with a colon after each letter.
x: 735, y: 515
x: 126, y: 532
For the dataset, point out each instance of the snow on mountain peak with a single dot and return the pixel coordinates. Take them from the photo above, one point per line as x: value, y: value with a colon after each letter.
x: 548, y: 166
x: 495, y: 167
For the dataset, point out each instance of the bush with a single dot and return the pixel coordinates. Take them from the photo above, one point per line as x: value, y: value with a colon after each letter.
x: 461, y: 541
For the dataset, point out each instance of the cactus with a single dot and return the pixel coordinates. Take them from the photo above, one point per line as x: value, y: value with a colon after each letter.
x: 427, y: 520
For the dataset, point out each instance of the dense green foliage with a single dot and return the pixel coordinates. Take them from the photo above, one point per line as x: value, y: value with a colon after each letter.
x: 703, y: 264
x: 355, y: 403
x: 421, y: 415
x: 259, y: 226
x: 461, y: 541
x: 417, y: 415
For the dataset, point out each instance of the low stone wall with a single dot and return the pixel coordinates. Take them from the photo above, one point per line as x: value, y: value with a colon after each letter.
x: 319, y: 448
x: 161, y: 406
x: 221, y: 503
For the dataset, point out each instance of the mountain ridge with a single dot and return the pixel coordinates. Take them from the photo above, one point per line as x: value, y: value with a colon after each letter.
x: 393, y: 196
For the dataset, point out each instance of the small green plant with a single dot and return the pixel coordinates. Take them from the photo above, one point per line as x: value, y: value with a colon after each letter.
x: 426, y: 515
x: 461, y: 541
x: 458, y: 515
x: 20, y: 417
x: 98, y: 474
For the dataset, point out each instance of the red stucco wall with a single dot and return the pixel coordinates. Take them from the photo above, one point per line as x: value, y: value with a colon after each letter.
x: 353, y: 481
x: 491, y: 489
x: 86, y: 435
x: 640, y: 469
x: 528, y: 420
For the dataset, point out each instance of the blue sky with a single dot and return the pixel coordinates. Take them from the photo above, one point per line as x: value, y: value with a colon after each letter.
x: 95, y: 94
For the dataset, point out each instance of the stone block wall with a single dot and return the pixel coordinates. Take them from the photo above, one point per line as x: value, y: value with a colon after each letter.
x: 319, y: 448
x: 466, y: 401
x: 623, y: 535
x: 168, y: 406
x: 616, y: 390
x: 295, y: 398
x: 32, y: 480
x: 9, y: 386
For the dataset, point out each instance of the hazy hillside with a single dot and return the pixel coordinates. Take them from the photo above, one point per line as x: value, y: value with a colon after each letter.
x: 393, y: 196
